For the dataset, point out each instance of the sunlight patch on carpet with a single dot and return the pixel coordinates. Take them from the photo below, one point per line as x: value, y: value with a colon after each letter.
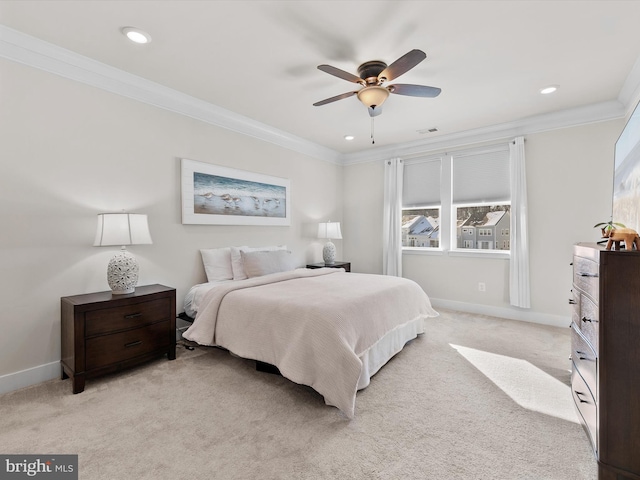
x: 525, y: 383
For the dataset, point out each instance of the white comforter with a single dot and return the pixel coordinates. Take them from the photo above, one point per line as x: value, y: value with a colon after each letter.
x: 314, y: 325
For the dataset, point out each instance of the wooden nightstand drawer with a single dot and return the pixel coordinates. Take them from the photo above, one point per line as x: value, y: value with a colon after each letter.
x: 135, y: 315
x: 108, y: 349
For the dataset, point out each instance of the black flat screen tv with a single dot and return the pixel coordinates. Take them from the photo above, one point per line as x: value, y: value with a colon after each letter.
x: 626, y: 175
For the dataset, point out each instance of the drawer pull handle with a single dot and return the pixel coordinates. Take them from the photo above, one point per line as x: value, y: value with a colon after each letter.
x: 133, y: 315
x: 584, y: 274
x: 585, y: 319
x: 133, y: 344
x: 578, y: 396
x: 582, y: 355
x: 572, y: 301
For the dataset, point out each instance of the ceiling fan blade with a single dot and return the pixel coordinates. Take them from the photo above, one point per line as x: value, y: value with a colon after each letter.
x: 374, y: 112
x: 403, y: 64
x: 333, y: 99
x: 336, y: 72
x: 414, y: 90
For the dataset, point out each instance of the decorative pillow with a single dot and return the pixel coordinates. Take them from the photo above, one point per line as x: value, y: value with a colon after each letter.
x: 237, y: 266
x: 217, y: 264
x: 261, y: 263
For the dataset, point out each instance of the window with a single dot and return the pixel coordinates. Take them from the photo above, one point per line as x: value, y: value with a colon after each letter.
x: 458, y: 201
x: 421, y: 203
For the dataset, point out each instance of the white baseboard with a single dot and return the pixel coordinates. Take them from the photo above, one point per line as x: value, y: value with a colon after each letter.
x: 501, y: 312
x: 31, y: 376
x: 48, y: 371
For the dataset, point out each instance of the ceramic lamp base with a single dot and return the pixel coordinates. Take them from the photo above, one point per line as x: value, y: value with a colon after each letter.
x: 122, y: 273
x: 329, y: 253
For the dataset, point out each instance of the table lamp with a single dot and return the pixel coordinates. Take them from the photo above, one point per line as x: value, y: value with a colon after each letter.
x: 329, y: 230
x: 122, y: 229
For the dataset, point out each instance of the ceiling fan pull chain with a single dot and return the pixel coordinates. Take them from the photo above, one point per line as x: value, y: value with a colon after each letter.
x: 372, y: 139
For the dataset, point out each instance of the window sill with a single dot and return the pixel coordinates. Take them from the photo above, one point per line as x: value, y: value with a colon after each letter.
x: 421, y: 251
x: 505, y: 255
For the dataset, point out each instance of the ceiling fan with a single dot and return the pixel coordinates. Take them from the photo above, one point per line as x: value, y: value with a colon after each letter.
x: 373, y: 75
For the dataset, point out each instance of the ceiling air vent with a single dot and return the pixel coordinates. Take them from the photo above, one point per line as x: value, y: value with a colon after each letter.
x: 427, y: 130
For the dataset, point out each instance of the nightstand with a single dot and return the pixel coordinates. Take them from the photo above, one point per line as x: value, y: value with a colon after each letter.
x: 104, y: 333
x: 338, y: 264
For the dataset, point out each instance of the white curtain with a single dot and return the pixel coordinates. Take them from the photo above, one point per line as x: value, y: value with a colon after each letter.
x: 519, y: 291
x: 392, y: 235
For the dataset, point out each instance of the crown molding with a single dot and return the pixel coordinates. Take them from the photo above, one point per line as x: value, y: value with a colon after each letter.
x: 25, y: 49
x: 22, y: 48
x: 630, y: 91
x: 594, y: 113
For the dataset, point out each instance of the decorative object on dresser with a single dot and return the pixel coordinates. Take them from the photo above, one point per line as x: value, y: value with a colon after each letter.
x: 336, y: 264
x: 103, y: 333
x: 617, y: 236
x: 329, y: 230
x: 605, y: 344
x: 122, y: 229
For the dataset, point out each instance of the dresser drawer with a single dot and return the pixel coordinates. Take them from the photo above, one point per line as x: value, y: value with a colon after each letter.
x: 586, y: 406
x: 586, y: 276
x: 109, y: 349
x: 588, y: 321
x: 575, y: 301
x: 584, y: 359
x: 126, y: 317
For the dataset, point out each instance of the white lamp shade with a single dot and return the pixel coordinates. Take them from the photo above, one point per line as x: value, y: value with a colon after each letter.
x: 122, y: 229
x: 329, y: 230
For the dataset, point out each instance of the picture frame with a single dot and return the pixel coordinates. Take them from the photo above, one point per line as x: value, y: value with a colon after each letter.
x: 217, y: 195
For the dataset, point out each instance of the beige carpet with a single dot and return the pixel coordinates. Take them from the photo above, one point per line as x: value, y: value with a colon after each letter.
x: 464, y: 401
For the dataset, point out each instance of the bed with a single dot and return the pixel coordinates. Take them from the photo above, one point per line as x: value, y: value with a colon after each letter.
x: 325, y: 328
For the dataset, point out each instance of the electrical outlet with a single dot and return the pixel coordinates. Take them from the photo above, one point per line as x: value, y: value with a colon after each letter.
x: 482, y: 287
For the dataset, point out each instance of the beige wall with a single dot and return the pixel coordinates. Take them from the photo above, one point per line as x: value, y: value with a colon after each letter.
x: 70, y: 151
x: 569, y: 181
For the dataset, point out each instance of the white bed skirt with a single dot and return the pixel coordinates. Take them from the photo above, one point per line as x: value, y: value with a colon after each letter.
x: 388, y: 346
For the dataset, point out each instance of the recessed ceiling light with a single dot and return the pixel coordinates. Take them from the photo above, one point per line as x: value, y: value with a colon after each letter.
x: 349, y: 137
x: 549, y: 89
x: 136, y: 35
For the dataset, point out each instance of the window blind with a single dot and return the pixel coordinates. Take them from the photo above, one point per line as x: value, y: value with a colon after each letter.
x: 421, y: 183
x: 481, y: 177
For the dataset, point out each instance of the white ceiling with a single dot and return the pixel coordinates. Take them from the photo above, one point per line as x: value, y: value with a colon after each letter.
x: 259, y: 58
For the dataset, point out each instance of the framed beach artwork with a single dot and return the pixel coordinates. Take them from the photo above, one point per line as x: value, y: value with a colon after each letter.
x: 215, y: 195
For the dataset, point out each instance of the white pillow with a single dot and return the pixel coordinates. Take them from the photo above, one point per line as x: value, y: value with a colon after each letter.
x: 237, y: 266
x: 217, y: 264
x: 261, y: 263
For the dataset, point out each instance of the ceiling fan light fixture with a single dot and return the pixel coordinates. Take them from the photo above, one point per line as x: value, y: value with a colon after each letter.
x: 373, y: 96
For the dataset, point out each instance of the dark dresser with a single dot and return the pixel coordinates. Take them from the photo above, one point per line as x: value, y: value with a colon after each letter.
x: 605, y: 354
